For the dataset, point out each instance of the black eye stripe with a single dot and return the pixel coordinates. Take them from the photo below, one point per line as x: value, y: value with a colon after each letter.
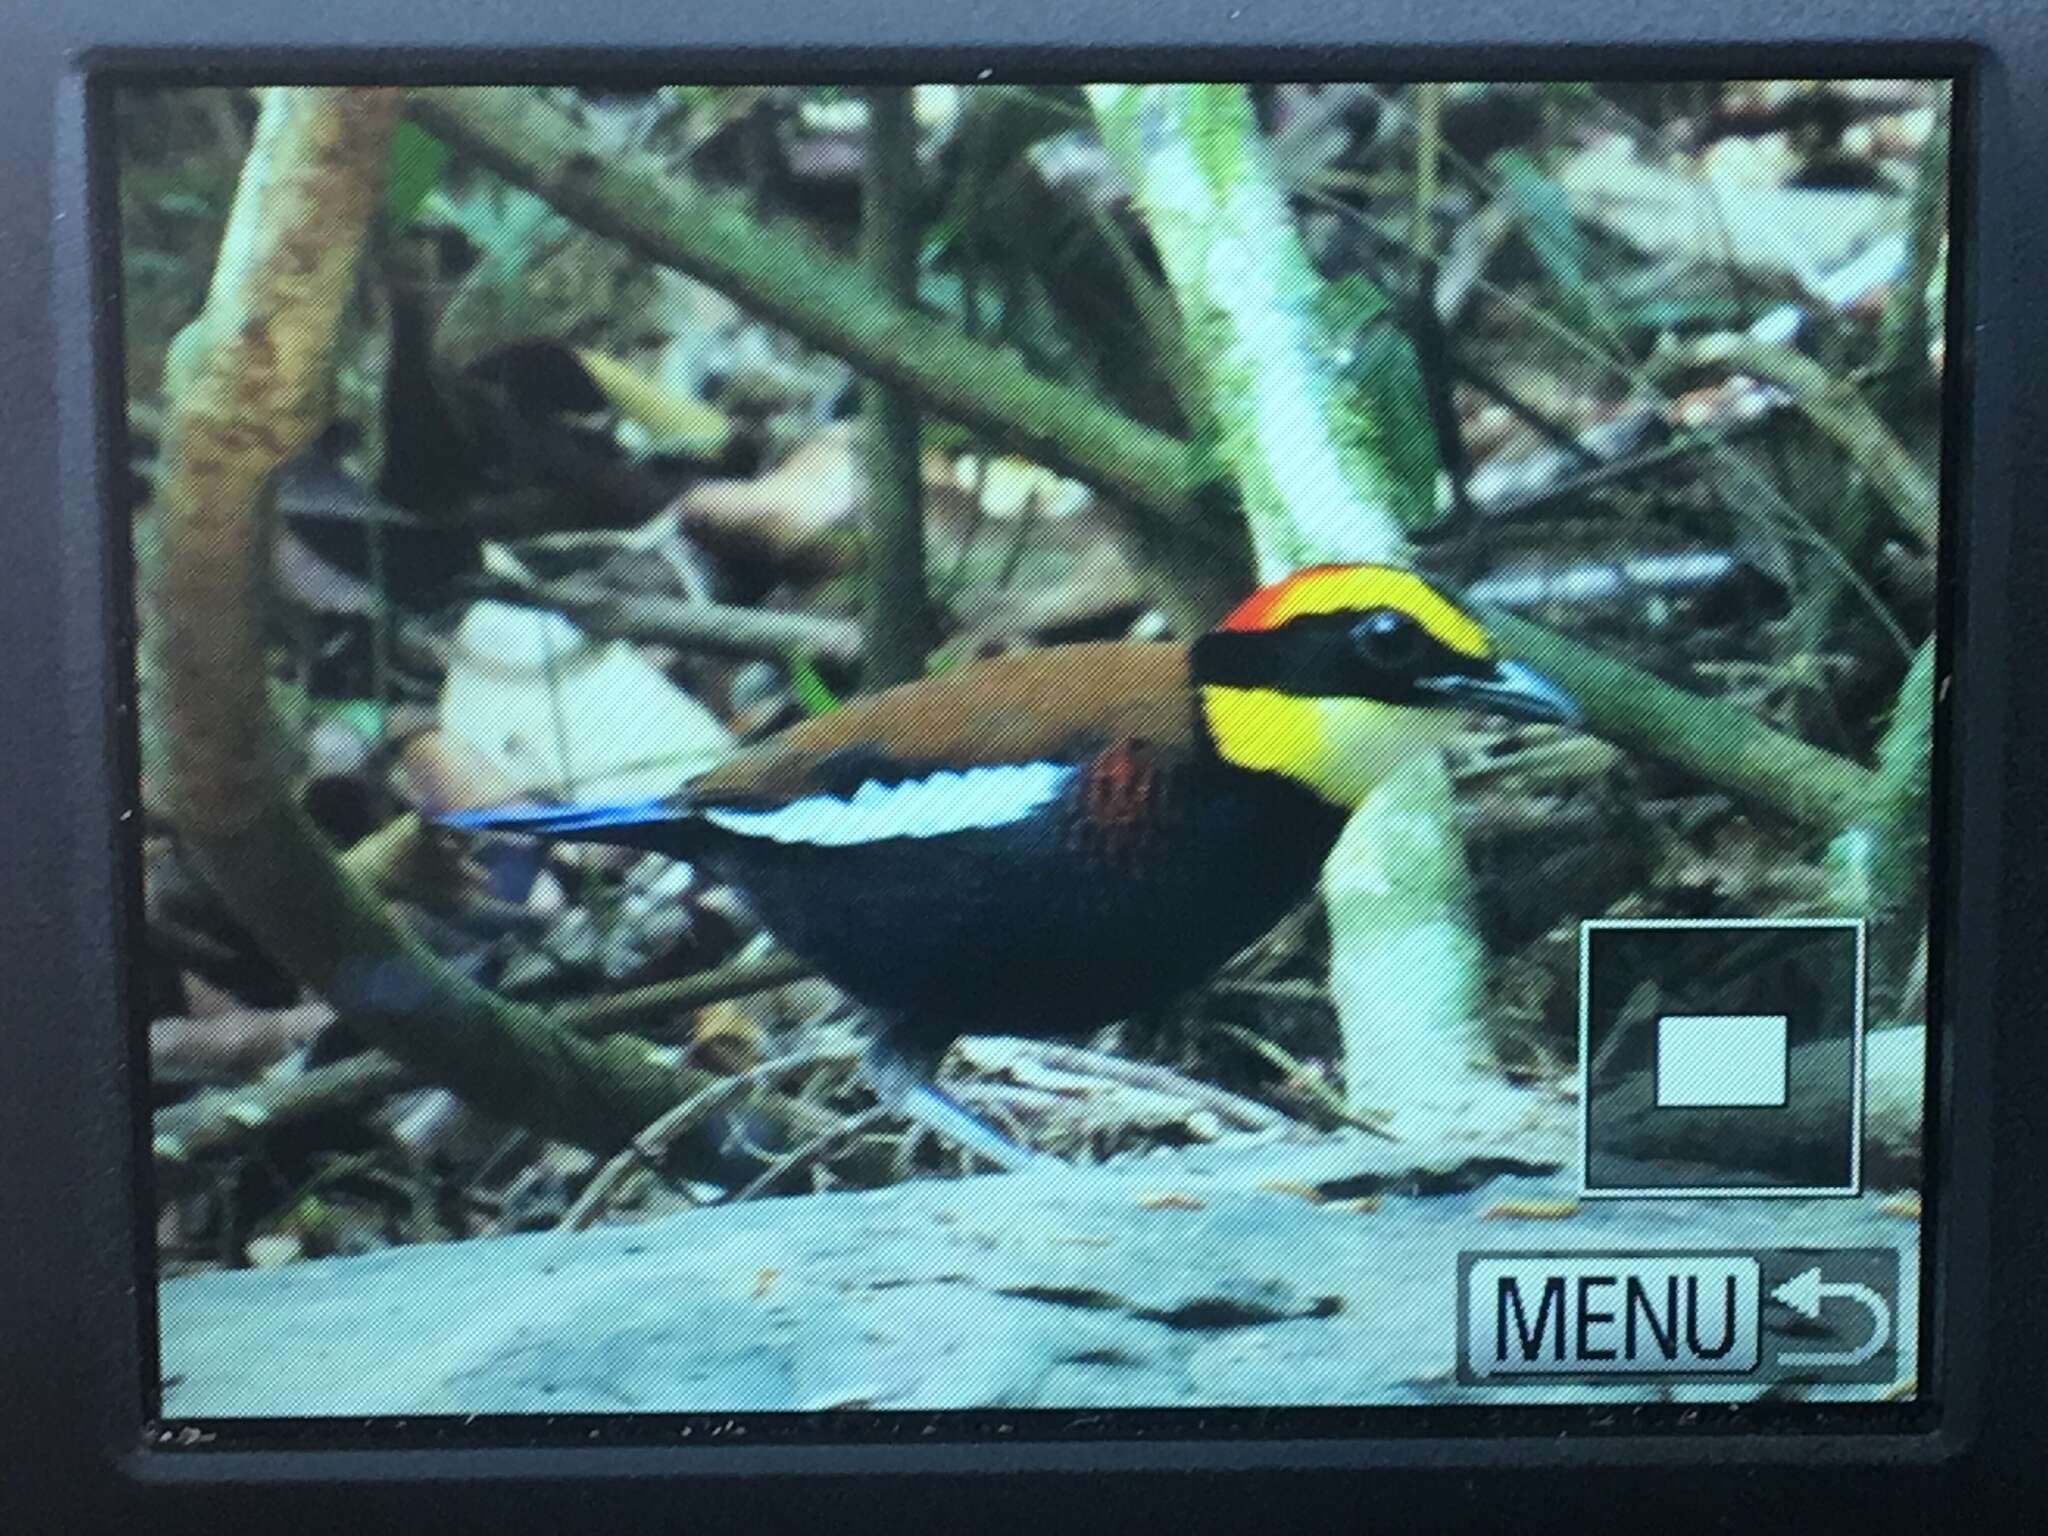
x: 1388, y: 638
x: 1318, y: 655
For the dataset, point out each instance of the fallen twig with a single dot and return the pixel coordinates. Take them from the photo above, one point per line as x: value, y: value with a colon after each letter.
x: 231, y: 1047
x: 1311, y: 1087
x: 1000, y: 1052
x: 715, y: 629
x: 653, y: 1006
x: 809, y: 1152
x: 222, y: 1120
x: 650, y: 1147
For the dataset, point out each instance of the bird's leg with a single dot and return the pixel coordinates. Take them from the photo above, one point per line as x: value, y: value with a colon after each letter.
x: 906, y: 1091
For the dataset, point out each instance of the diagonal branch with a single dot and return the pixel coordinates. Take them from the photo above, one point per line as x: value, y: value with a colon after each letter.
x: 827, y: 301
x: 1836, y: 407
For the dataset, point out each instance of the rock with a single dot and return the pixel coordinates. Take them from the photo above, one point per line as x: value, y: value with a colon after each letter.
x: 1231, y: 1273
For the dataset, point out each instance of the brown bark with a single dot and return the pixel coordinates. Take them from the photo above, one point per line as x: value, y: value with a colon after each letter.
x: 249, y: 391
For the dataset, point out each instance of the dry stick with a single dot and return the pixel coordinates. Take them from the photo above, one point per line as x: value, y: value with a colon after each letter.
x: 715, y: 629
x: 223, y: 1121
x: 1153, y: 477
x: 642, y: 1007
x: 1310, y: 1085
x: 809, y: 1152
x: 1246, y: 1114
x: 650, y: 1146
x: 228, y: 1048
x: 249, y: 386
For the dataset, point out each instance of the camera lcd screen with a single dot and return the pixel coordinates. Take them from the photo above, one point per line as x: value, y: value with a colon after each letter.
x: 821, y: 751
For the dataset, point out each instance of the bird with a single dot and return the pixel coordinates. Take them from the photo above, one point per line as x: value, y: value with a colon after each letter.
x: 1045, y: 841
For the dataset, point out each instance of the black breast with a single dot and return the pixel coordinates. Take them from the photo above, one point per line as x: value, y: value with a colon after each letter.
x: 1139, y: 880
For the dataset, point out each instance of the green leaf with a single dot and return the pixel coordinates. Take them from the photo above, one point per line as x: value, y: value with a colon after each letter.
x: 365, y: 716
x: 996, y: 134
x: 1381, y: 411
x: 1544, y: 212
x: 417, y: 160
x: 810, y: 690
x: 1681, y: 311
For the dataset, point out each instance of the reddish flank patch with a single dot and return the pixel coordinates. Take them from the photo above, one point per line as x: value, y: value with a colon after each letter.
x: 1120, y: 794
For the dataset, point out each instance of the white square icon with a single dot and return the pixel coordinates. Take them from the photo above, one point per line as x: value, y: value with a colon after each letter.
x: 1721, y: 1061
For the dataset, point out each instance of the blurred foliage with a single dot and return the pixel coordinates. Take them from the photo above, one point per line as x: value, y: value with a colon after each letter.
x: 1381, y: 410
x: 417, y: 161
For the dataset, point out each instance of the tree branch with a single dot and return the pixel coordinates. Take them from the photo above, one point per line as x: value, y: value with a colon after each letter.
x: 1720, y: 743
x: 827, y: 301
x: 249, y: 384
x: 711, y: 629
x: 223, y: 1120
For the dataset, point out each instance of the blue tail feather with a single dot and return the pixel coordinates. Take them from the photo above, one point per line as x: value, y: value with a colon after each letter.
x: 659, y: 824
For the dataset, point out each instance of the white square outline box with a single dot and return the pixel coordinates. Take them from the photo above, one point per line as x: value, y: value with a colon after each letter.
x: 1687, y: 1192
x: 1681, y: 1034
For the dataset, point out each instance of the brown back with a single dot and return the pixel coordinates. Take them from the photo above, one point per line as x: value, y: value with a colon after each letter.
x: 1056, y: 703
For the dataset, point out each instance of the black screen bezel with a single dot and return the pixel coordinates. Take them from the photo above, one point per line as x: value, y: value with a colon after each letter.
x: 66, y: 889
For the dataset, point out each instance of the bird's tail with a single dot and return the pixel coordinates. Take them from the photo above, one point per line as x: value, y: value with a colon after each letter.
x: 659, y: 826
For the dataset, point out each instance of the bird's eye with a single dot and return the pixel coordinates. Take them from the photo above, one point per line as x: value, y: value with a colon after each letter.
x: 1389, y: 639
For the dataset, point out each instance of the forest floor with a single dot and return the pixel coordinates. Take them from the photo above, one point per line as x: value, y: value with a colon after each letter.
x: 1244, y: 1272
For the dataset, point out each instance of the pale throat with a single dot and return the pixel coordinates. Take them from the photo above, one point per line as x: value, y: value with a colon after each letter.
x: 1343, y: 749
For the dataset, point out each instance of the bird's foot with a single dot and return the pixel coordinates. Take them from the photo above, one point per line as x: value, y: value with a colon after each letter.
x: 899, y: 1086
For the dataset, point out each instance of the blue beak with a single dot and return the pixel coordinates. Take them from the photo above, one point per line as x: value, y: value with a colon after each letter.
x: 1511, y: 689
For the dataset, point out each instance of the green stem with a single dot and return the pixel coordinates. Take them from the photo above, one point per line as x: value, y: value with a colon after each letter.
x: 1317, y: 485
x: 1907, y: 325
x: 1713, y: 740
x: 1877, y: 863
x: 900, y: 632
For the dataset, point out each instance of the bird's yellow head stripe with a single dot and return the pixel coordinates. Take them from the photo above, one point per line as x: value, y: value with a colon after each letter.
x: 1320, y: 589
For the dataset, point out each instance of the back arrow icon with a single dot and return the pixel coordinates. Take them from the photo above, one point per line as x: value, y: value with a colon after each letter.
x: 1805, y: 1292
